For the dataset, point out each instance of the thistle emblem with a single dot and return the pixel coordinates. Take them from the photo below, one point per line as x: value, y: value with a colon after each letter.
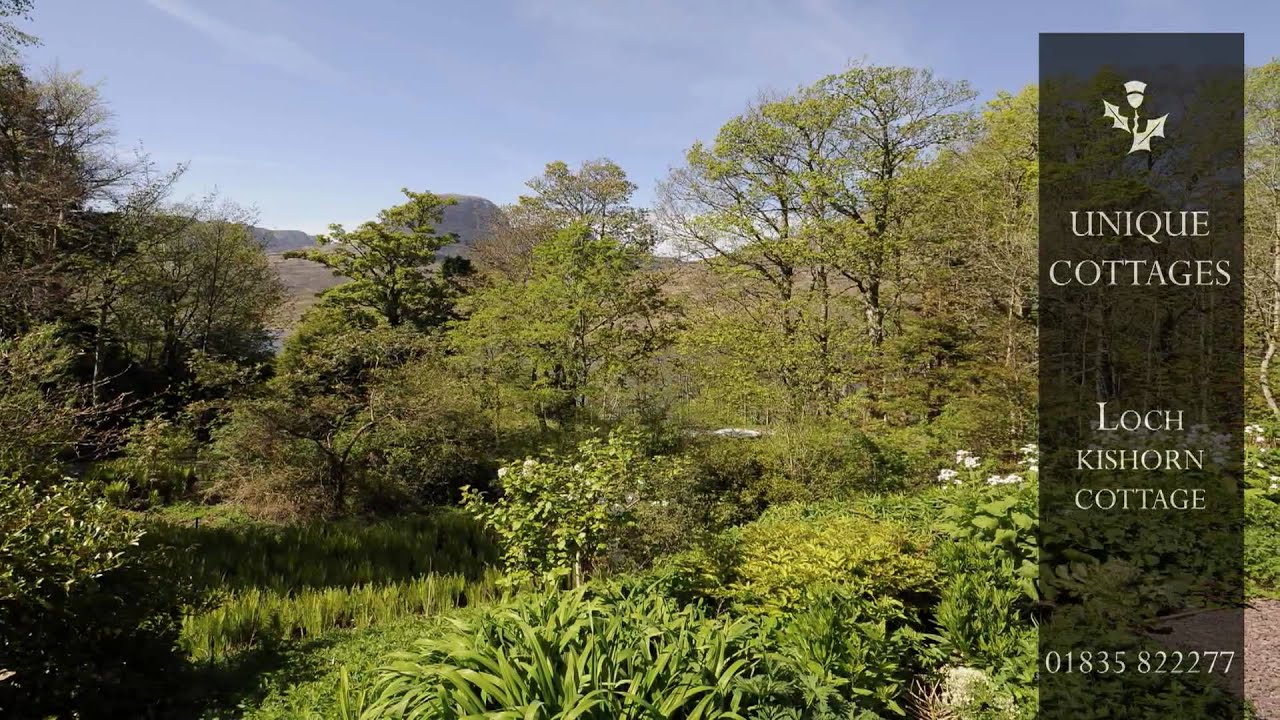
x: 1141, y: 134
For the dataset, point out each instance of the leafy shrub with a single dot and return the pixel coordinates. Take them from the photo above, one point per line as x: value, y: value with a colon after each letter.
x: 556, y: 517
x: 431, y: 441
x: 1005, y: 526
x: 781, y: 559
x: 1262, y: 545
x: 990, y: 571
x: 841, y: 656
x: 576, y: 654
x: 777, y: 563
x: 89, y: 622
x: 829, y: 460
x: 725, y: 483
x: 733, y: 481
x: 40, y: 423
x: 984, y: 618
x: 628, y: 652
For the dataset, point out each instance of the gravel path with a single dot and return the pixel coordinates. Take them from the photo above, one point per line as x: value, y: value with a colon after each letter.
x: 1262, y: 657
x: 1262, y: 649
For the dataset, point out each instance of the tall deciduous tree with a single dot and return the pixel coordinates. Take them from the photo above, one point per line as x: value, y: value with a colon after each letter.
x: 814, y: 197
x: 198, y: 282
x: 597, y: 196
x: 56, y: 164
x: 585, y: 319
x: 1262, y: 220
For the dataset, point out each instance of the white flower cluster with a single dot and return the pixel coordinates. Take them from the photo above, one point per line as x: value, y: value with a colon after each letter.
x: 1030, y: 460
x: 1013, y: 479
x: 967, y: 460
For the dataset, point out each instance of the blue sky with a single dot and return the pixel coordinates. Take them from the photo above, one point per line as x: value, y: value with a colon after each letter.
x: 315, y: 111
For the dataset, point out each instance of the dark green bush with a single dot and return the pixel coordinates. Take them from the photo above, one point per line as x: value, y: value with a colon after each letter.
x: 89, y: 622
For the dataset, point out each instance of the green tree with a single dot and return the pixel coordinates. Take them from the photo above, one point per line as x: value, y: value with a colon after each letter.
x: 11, y: 38
x: 40, y: 423
x: 57, y: 169
x: 556, y: 516
x: 583, y: 323
x: 805, y: 202
x: 389, y: 263
x: 967, y: 351
x: 597, y: 196
x: 1262, y: 222
x: 298, y: 444
x: 195, y: 280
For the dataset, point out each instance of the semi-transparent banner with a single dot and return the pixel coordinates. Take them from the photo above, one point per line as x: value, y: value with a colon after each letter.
x: 1141, y: 152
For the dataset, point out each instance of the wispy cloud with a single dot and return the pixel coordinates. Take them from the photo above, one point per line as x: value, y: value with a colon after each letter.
x: 260, y: 48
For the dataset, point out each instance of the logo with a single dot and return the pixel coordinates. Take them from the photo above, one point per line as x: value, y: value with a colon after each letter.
x: 1141, y: 134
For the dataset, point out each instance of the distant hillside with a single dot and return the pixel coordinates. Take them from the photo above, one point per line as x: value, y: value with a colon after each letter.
x: 304, y: 280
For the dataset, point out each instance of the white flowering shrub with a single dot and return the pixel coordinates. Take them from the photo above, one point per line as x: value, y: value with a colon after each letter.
x: 554, y: 517
x: 1262, y: 457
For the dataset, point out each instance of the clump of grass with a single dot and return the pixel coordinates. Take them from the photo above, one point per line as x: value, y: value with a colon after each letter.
x: 254, y: 616
x: 283, y: 582
x: 289, y: 558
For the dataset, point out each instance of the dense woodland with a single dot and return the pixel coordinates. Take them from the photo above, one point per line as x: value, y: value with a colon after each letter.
x: 523, y: 442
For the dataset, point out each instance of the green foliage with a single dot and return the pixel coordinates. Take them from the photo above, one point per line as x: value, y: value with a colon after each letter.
x: 984, y: 617
x: 329, y: 678
x: 300, y: 445
x: 732, y: 481
x: 40, y: 423
x: 187, y: 280
x: 278, y: 583
x: 241, y: 556
x: 253, y: 617
x: 157, y: 466
x: 11, y: 37
x: 627, y: 652
x: 575, y: 654
x: 566, y: 338
x: 782, y: 560
x: 555, y: 517
x: 1262, y: 545
x: 1005, y: 526
x: 431, y: 440
x: 88, y: 620
x: 841, y: 656
x: 388, y: 262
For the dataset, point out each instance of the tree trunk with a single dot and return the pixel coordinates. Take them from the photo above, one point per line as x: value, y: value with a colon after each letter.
x: 1264, y: 370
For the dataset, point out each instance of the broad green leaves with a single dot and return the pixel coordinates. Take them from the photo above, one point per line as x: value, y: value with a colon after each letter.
x: 555, y: 516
